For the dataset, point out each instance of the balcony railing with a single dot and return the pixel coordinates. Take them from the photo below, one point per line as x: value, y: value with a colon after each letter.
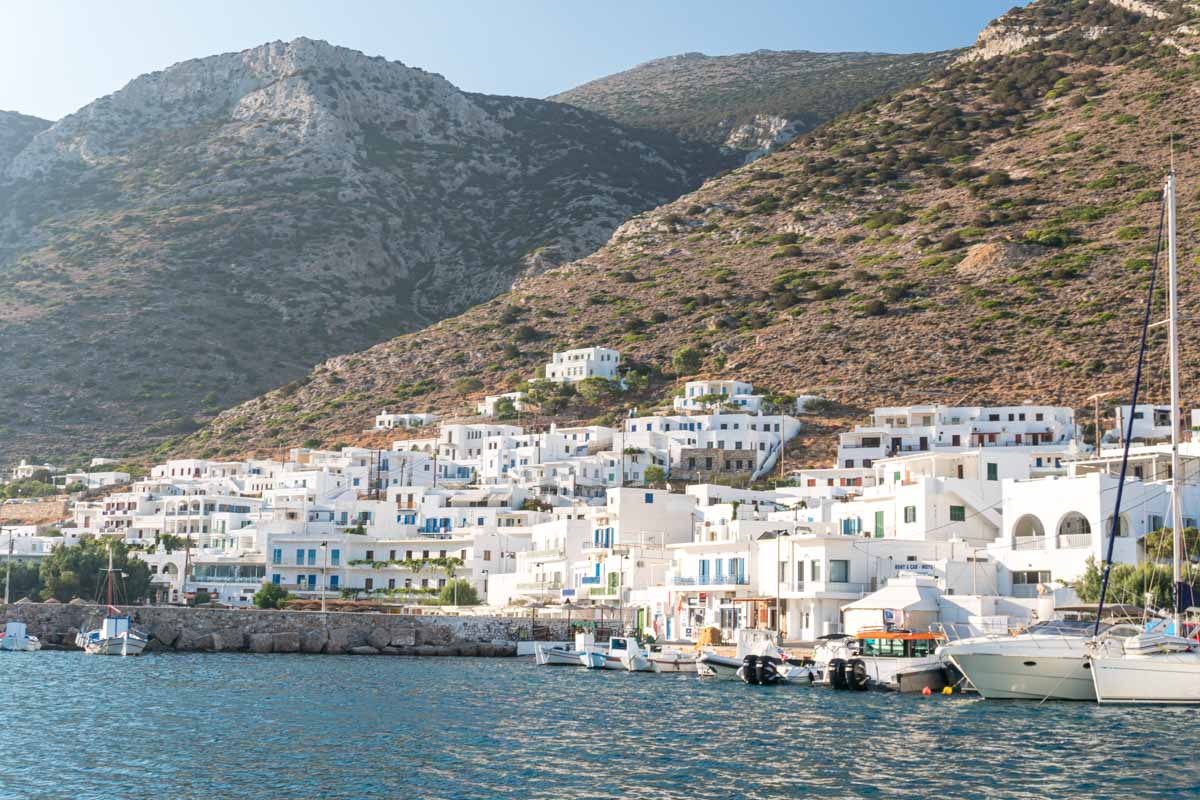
x: 590, y: 580
x: 556, y: 552
x: 1073, y: 540
x: 710, y: 580
x: 540, y: 586
x: 1029, y: 543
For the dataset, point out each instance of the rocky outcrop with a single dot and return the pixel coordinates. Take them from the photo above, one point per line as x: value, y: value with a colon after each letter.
x: 258, y: 212
x: 16, y: 131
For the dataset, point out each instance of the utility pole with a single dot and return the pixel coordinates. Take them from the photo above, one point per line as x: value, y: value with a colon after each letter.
x: 324, y: 572
x: 1096, y: 401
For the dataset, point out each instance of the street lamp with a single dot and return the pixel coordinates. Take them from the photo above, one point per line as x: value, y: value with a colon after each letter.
x: 8, y: 563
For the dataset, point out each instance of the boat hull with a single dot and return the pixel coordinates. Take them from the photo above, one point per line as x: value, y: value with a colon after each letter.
x: 684, y: 664
x: 556, y: 657
x: 722, y: 668
x: 120, y: 646
x: 1166, y: 678
x: 592, y: 659
x: 29, y: 645
x: 1026, y: 676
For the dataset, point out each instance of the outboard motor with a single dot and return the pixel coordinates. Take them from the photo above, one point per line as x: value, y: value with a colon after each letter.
x: 759, y: 670
x: 856, y: 675
x: 836, y: 673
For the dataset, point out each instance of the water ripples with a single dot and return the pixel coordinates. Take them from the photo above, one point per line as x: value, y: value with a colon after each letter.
x: 245, y: 726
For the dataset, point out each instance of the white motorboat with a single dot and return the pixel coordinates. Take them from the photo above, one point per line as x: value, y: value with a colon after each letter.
x: 723, y: 668
x: 891, y: 660
x: 1046, y: 662
x: 115, y: 636
x: 1155, y: 665
x: 592, y: 658
x: 624, y: 653
x: 15, y: 639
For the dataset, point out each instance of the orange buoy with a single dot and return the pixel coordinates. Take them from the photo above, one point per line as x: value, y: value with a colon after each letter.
x: 926, y: 691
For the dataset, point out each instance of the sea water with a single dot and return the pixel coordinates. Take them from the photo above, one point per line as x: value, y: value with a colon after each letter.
x: 274, y: 726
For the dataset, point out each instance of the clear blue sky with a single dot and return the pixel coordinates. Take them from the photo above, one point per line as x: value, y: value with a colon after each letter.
x: 58, y: 55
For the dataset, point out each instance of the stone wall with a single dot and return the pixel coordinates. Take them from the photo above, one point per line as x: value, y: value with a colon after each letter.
x: 259, y: 631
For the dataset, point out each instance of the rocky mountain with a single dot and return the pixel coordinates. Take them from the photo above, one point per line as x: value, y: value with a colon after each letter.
x: 15, y: 132
x: 983, y: 236
x: 217, y: 228
x: 749, y: 103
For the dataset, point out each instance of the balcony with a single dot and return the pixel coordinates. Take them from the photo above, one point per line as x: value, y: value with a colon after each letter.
x: 1030, y: 543
x: 1067, y: 541
x: 540, y: 586
x: 590, y: 580
x: 710, y: 580
x: 551, y: 554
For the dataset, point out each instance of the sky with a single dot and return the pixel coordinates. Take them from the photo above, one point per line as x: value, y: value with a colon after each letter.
x: 58, y: 55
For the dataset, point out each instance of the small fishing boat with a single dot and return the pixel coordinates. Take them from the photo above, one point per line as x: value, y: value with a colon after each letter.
x: 16, y: 640
x: 549, y: 655
x: 114, y: 637
x: 624, y: 653
x: 723, y: 668
x: 672, y: 660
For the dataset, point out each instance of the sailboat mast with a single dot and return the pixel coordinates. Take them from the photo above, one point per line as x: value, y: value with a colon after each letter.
x: 110, y: 571
x: 1173, y: 311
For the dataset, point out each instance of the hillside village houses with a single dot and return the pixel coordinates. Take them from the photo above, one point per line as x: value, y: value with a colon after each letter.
x: 388, y: 421
x: 572, y: 366
x: 970, y: 514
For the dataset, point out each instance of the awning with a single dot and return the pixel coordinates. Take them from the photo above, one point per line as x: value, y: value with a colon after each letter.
x: 905, y: 597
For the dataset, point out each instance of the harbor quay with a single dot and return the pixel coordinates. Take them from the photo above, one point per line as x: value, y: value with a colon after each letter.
x: 266, y: 631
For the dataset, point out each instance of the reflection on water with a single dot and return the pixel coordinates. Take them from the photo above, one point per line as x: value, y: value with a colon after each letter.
x: 245, y: 726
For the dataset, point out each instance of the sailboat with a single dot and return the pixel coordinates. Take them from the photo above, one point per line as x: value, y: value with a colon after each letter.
x: 1156, y: 665
x: 114, y: 637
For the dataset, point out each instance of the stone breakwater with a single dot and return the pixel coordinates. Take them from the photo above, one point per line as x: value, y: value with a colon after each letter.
x: 260, y: 631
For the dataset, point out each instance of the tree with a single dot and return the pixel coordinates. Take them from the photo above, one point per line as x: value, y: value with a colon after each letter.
x: 78, y: 571
x: 271, y: 595
x: 458, y: 591
x: 596, y: 389
x: 686, y: 361
x: 506, y: 408
x: 26, y: 580
x: 1131, y: 584
x: 74, y: 487
x: 201, y: 598
x: 655, y: 474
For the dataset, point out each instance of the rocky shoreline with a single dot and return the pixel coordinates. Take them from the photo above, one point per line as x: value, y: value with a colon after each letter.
x: 265, y: 631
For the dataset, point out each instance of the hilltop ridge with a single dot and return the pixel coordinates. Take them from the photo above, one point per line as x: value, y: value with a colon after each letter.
x: 980, y: 237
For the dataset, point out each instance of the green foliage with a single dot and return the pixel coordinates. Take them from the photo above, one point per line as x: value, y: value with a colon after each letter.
x: 70, y: 572
x: 458, y: 592
x: 686, y: 361
x: 467, y: 385
x: 202, y: 598
x: 271, y: 596
x: 597, y: 389
x: 26, y: 581
x: 654, y: 474
x: 549, y: 396
x: 1131, y: 584
x: 506, y: 408
x: 29, y: 487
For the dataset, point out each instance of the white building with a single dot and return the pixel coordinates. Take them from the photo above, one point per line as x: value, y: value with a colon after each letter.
x: 716, y: 395
x: 572, y: 366
x: 388, y: 421
x: 26, y: 470
x: 909, y: 429
x: 487, y: 406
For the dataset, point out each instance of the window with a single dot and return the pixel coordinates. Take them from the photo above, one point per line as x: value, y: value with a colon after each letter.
x: 839, y: 570
x: 993, y: 472
x: 335, y: 557
x: 334, y: 581
x: 368, y: 584
x: 910, y: 513
x: 276, y: 578
x: 277, y: 556
x: 814, y: 570
x: 958, y: 514
x: 370, y: 555
x: 487, y: 555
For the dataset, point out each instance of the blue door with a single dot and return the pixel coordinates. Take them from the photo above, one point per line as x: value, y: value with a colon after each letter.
x: 312, y: 583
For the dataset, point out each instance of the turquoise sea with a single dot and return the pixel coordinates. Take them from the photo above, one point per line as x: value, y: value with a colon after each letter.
x: 246, y: 726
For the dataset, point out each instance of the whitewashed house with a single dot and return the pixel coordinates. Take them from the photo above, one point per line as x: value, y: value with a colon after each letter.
x: 1050, y: 430
x: 572, y: 366
x: 387, y: 421
x: 714, y: 395
x: 487, y: 406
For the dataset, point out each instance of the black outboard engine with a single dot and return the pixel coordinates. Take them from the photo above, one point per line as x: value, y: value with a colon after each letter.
x: 856, y: 675
x: 759, y: 670
x: 836, y: 671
